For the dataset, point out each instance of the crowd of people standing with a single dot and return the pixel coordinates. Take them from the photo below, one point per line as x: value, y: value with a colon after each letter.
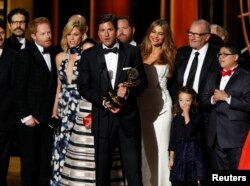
x: 116, y: 112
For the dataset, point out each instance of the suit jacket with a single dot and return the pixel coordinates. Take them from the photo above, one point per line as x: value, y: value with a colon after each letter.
x: 210, y: 65
x: 7, y: 106
x: 12, y: 42
x: 34, y: 85
x: 229, y: 123
x: 94, y: 84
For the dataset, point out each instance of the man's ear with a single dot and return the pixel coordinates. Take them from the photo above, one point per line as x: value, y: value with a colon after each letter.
x: 9, y: 26
x: 33, y: 36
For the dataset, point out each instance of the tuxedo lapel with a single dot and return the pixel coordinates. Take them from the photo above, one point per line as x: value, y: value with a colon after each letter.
x: 184, y: 60
x: 205, y: 67
x: 232, y: 80
x: 102, y: 67
x: 217, y: 81
x: 40, y: 59
x: 121, y: 61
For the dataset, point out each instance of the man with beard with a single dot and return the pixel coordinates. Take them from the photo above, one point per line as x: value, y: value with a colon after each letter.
x: 126, y: 30
x: 18, y: 20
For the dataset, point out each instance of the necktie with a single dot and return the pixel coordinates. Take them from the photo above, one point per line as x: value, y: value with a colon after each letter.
x: 192, y: 72
x: 107, y: 50
x: 45, y: 51
x: 226, y: 73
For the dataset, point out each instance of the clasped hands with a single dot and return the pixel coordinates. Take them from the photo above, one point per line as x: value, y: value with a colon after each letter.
x: 121, y: 93
x: 219, y: 95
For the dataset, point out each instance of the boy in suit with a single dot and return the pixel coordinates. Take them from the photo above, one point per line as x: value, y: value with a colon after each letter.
x: 227, y: 96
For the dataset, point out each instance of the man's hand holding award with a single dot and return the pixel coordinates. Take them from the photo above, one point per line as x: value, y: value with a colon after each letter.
x: 115, y: 102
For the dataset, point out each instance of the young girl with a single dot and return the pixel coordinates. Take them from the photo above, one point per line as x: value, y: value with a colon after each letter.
x: 186, y: 160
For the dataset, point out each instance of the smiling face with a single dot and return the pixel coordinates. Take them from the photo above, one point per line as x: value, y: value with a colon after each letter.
x: 156, y: 36
x: 198, y: 35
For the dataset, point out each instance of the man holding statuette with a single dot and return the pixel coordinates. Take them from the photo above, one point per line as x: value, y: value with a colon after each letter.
x: 105, y: 79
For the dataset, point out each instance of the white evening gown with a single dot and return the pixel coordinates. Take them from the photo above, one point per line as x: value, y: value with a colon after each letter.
x: 155, y: 105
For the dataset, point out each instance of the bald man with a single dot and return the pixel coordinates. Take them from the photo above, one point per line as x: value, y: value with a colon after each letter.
x: 79, y: 18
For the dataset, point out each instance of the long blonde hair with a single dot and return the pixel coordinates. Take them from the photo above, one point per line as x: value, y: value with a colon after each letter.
x: 68, y: 28
x: 168, y: 47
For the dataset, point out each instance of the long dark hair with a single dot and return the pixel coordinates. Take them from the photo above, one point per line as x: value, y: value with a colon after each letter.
x: 194, y: 106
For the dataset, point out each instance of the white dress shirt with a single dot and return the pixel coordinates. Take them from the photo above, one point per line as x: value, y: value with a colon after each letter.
x: 22, y: 41
x: 111, y: 63
x: 201, y: 57
x: 46, y: 56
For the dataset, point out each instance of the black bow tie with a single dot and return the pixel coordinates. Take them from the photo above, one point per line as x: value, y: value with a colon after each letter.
x: 75, y: 50
x: 107, y: 50
x: 45, y: 51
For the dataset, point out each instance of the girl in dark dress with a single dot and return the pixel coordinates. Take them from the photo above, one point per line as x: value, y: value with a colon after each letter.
x: 186, y: 160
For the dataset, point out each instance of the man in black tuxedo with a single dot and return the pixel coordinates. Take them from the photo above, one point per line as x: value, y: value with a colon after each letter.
x: 185, y: 72
x: 34, y: 83
x: 227, y: 95
x: 18, y: 19
x: 103, y: 69
x: 7, y: 106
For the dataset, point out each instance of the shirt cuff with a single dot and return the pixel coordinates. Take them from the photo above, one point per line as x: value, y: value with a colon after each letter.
x: 229, y: 100
x: 23, y: 120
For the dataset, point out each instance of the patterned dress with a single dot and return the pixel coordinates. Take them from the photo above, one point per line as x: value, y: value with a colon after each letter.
x: 68, y: 112
x: 73, y: 157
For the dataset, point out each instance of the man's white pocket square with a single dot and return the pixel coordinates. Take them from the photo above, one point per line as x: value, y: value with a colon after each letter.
x: 126, y: 68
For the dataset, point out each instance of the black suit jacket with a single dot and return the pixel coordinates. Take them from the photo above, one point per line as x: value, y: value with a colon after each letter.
x: 94, y: 84
x: 229, y: 123
x: 13, y: 43
x: 210, y: 64
x: 34, y: 85
x: 7, y: 106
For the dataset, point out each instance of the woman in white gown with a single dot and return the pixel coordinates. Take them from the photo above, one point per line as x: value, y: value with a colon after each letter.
x: 155, y: 104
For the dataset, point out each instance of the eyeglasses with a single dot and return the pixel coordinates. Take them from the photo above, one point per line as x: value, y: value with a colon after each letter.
x: 18, y: 22
x: 224, y: 55
x: 196, y: 35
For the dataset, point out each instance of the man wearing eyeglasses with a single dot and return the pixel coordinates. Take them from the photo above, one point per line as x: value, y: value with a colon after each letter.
x: 194, y: 62
x: 18, y: 20
x: 227, y: 95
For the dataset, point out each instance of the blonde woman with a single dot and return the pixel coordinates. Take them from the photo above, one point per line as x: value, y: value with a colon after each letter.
x: 66, y: 151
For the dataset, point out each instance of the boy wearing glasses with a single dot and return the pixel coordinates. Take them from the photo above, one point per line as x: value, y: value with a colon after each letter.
x: 18, y: 20
x: 227, y: 97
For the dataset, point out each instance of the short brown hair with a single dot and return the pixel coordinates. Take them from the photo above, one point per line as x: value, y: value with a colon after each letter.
x: 35, y: 22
